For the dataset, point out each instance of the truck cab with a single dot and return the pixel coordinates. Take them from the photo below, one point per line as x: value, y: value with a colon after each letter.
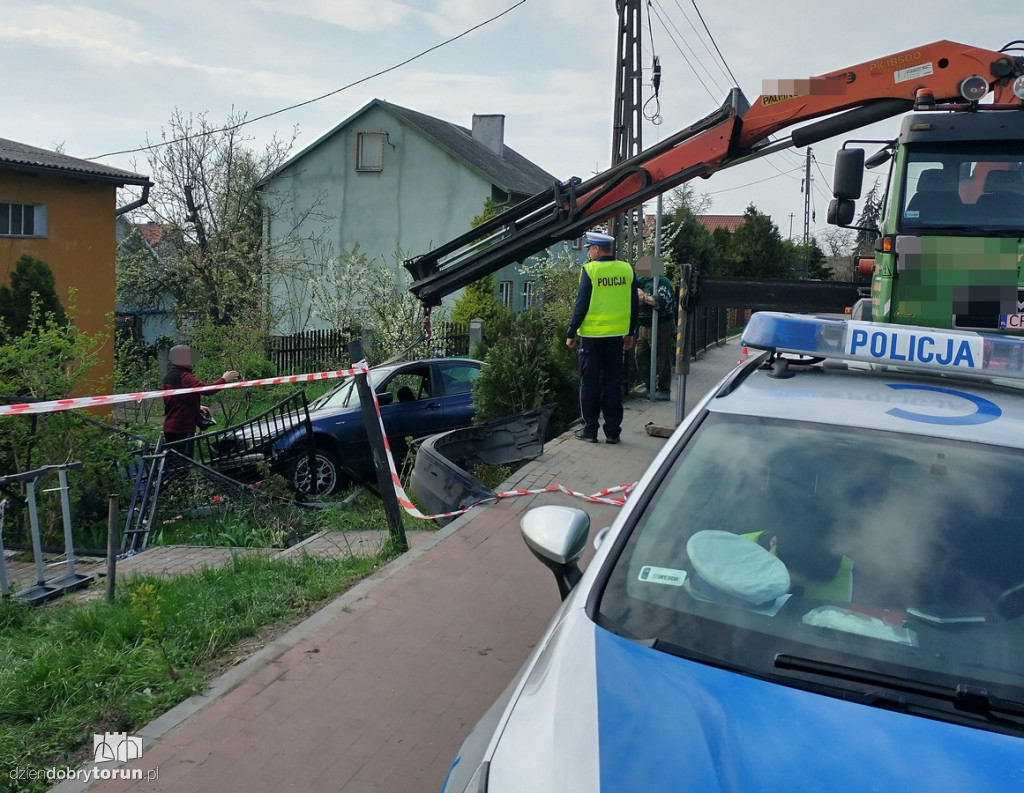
x: 951, y: 228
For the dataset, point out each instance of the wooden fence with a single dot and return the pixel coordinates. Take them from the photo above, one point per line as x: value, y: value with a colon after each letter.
x: 448, y: 339
x: 309, y: 351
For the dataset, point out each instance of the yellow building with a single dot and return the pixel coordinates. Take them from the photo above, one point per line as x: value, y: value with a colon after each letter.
x: 63, y: 211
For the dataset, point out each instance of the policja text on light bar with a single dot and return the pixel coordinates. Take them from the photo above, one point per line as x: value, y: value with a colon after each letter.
x: 905, y: 346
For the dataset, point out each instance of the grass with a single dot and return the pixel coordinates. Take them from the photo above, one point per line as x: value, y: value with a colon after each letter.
x: 76, y: 668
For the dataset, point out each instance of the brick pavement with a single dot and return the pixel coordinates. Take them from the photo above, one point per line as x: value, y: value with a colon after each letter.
x: 376, y: 691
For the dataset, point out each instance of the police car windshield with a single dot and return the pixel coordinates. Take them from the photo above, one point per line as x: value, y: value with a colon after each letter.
x: 898, y: 553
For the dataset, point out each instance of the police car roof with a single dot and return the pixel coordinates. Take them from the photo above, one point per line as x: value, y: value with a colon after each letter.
x: 940, y: 383
x: 857, y: 395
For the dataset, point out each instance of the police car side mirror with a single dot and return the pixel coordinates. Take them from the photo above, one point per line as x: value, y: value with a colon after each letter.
x: 557, y: 536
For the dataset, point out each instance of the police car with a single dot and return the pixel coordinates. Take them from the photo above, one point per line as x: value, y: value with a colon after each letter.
x: 817, y: 585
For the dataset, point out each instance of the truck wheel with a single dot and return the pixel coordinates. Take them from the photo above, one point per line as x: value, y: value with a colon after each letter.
x: 326, y: 478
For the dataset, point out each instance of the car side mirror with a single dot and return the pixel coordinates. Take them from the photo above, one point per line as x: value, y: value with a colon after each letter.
x: 385, y: 398
x: 557, y: 536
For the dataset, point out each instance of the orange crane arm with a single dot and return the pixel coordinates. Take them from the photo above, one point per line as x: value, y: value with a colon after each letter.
x: 851, y: 98
x: 879, y: 88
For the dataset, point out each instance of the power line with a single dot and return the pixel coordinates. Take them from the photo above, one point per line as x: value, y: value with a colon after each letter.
x: 696, y: 57
x: 705, y: 24
x: 701, y: 40
x: 750, y: 184
x: 695, y: 73
x: 241, y: 124
x: 818, y: 166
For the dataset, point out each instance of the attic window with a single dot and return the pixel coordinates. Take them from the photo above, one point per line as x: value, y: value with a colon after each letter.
x: 370, y: 151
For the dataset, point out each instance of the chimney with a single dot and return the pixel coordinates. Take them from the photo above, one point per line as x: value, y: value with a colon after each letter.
x: 490, y: 131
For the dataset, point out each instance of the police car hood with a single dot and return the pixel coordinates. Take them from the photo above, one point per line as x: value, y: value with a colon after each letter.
x: 601, y: 713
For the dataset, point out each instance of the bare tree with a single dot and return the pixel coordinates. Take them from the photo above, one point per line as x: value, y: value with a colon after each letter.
x: 208, y: 204
x: 837, y: 241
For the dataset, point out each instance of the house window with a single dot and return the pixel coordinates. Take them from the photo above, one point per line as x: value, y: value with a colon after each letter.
x: 370, y: 151
x: 22, y: 220
x: 528, y: 294
x: 577, y: 244
x: 505, y: 293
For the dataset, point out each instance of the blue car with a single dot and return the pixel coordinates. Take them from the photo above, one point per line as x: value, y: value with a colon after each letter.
x: 818, y: 585
x: 416, y: 398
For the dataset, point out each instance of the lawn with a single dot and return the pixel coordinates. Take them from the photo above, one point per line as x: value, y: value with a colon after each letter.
x: 75, y: 668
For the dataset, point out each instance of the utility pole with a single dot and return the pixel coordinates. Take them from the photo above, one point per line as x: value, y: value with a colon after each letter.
x: 626, y: 135
x: 807, y: 197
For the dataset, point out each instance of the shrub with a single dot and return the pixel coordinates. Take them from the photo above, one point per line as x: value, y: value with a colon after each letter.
x: 524, y: 371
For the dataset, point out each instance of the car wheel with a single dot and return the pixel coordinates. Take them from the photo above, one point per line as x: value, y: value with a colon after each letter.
x: 325, y: 479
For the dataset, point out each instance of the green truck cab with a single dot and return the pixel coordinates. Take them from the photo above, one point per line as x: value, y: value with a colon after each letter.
x: 951, y: 228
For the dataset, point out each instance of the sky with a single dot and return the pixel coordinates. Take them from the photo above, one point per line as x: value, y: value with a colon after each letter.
x: 96, y: 77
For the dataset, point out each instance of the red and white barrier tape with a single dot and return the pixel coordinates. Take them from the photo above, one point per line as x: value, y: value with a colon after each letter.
x: 55, y: 405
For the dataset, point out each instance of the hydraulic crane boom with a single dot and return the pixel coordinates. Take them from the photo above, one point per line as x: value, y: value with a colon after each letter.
x: 736, y: 132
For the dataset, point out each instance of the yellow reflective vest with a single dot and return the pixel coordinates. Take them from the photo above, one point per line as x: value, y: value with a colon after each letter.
x: 611, y: 291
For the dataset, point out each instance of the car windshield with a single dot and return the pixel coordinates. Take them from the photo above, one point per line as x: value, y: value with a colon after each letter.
x: 899, y: 554
x: 345, y: 395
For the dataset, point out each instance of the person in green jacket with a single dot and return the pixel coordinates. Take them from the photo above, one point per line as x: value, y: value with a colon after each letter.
x: 602, y: 326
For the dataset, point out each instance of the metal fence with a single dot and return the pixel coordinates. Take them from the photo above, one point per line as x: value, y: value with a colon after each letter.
x: 314, y: 350
x: 710, y: 326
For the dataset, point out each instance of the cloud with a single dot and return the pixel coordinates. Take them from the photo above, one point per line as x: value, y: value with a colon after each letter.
x: 87, y: 30
x: 358, y: 15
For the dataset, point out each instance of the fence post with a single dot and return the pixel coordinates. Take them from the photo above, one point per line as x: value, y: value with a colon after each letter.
x: 112, y: 541
x: 684, y: 338
x: 392, y: 510
x: 476, y: 334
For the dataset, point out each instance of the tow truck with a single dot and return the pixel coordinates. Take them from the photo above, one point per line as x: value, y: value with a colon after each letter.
x: 939, y: 270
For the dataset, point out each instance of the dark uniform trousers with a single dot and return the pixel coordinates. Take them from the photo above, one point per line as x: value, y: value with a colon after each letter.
x: 601, y: 370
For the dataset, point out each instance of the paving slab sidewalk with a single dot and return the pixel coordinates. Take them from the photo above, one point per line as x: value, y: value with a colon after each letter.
x: 376, y: 691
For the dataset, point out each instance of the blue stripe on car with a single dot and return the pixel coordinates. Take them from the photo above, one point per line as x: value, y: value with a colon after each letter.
x: 668, y: 724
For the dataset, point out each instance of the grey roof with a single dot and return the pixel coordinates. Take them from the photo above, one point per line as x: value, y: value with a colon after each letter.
x: 16, y: 156
x: 512, y: 172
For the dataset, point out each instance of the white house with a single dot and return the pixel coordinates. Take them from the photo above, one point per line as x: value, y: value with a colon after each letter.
x: 395, y: 183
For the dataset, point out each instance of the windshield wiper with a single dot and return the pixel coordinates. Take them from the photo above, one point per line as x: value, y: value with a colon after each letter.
x: 963, y: 697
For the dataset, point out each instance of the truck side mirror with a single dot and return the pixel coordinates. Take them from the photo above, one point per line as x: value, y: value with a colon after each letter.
x: 880, y: 157
x: 841, y: 211
x: 849, y: 174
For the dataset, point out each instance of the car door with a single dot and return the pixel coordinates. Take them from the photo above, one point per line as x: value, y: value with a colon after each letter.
x: 454, y: 380
x: 413, y: 411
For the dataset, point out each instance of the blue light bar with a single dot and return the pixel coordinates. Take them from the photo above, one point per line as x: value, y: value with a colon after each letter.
x: 906, y: 346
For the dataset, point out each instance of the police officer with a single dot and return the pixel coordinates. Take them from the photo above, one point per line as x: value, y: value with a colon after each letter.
x: 602, y: 326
